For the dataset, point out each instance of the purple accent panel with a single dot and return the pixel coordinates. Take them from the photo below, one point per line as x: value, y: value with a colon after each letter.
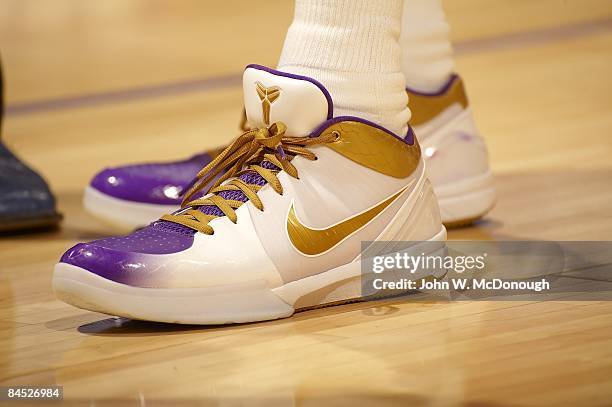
x: 409, y: 139
x: 330, y: 102
x: 440, y: 91
x: 211, y: 210
x: 268, y: 165
x: 152, y: 239
x: 233, y: 195
x: 250, y: 177
x: 174, y: 227
x: 326, y: 124
x: 150, y: 183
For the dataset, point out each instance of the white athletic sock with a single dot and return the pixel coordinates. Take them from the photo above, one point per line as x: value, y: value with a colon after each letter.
x: 352, y: 48
x: 427, y: 54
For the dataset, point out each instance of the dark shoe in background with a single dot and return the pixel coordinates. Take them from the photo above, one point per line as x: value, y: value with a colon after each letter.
x: 25, y: 199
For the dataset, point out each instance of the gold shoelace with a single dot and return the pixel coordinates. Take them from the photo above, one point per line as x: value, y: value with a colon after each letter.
x: 245, y: 154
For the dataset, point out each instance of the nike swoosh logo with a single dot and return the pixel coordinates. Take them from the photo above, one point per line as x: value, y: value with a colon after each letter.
x: 313, y: 242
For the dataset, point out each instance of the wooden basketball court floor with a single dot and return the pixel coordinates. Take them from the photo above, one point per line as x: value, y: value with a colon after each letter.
x: 94, y: 84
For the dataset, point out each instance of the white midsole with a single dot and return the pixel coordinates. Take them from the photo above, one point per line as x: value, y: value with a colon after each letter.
x: 232, y: 303
x: 121, y: 213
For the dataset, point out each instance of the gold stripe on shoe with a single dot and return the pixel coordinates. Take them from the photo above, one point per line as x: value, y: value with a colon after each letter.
x: 425, y: 107
x: 374, y: 148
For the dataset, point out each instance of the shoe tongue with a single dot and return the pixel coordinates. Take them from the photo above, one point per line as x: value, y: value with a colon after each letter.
x: 271, y: 96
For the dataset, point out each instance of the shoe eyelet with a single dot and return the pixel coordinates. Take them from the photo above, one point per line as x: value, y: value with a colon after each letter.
x: 336, y: 135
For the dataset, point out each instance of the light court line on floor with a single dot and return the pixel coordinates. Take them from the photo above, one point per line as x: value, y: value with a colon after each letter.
x: 202, y: 85
x: 533, y: 37
x: 125, y: 95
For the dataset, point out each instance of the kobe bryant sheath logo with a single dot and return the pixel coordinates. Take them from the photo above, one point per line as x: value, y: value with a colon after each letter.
x: 267, y: 97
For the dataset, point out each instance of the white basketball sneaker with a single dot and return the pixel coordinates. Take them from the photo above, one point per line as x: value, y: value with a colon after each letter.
x: 280, y: 231
x: 456, y: 154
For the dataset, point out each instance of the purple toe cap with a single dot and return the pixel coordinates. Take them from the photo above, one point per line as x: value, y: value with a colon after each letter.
x: 121, y: 267
x: 133, y: 259
x: 152, y: 183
